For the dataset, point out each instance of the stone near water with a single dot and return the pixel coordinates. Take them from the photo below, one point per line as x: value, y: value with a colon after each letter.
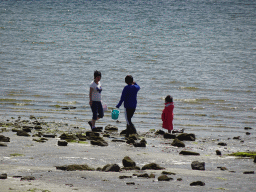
x: 177, y: 143
x: 111, y: 168
x: 75, y: 167
x: 3, y: 145
x: 111, y: 128
x: 62, y: 143
x: 222, y: 144
x: 28, y: 178
x: 196, y: 165
x: 197, y: 183
x: 164, y: 178
x: 23, y: 133
x: 153, y: 166
x: 188, y: 153
x: 3, y: 176
x: 218, y: 152
x: 169, y: 136
x: 186, y: 137
x: 128, y: 162
x: 4, y: 139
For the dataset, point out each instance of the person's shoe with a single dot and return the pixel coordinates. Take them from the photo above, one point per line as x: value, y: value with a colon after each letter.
x: 90, y: 123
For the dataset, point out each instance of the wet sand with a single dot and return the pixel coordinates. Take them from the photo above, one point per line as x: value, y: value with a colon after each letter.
x: 25, y: 157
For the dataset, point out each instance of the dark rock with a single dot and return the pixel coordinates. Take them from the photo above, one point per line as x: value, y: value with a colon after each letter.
x: 97, y: 129
x: 75, y: 167
x: 111, y: 168
x: 131, y: 168
x: 91, y: 134
x: 111, y: 128
x: 128, y: 162
x: 179, y: 179
x: 23, y: 133
x: 62, y: 143
x: 38, y: 127
x: 164, y: 178
x: 249, y: 172
x: 142, y: 143
x: 40, y: 140
x: 196, y: 165
x: 133, y: 136
x: 223, y: 168
x: 168, y: 173
x: 3, y: 145
x: 81, y: 137
x: 27, y: 129
x: 151, y: 175
x: 159, y: 132
x: 106, y: 135
x: 49, y: 135
x: 169, y: 136
x: 248, y: 133
x: 130, y: 141
x: 254, y: 159
x: 153, y: 166
x: 39, y: 134
x: 118, y: 140
x: 68, y: 137
x: 99, y: 169
x: 130, y: 183
x: 222, y: 144
x: 197, y: 183
x: 188, y: 153
x: 218, y: 152
x: 123, y: 132
x: 186, y: 137
x: 238, y: 137
x: 16, y: 130
x: 4, y: 139
x: 176, y: 142
x: 3, y: 176
x: 124, y: 177
x: 99, y: 143
x: 247, y: 128
x: 143, y: 175
x: 27, y: 178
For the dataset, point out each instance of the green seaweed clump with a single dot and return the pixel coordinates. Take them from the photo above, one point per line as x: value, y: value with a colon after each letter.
x: 251, y: 154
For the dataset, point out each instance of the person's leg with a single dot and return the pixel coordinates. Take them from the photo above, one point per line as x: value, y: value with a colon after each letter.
x: 128, y: 116
x: 94, y: 108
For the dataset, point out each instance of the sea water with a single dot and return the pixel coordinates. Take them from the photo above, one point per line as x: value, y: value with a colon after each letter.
x: 201, y: 52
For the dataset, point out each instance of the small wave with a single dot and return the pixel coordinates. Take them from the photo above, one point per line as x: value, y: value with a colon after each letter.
x: 42, y: 43
x: 190, y: 88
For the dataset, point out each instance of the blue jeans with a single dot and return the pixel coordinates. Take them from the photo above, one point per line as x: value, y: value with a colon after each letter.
x: 97, y: 110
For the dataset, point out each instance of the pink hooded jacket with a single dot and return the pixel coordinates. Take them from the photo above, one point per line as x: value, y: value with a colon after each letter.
x: 167, y: 116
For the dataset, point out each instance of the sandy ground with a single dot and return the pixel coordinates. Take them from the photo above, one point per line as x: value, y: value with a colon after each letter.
x: 39, y: 160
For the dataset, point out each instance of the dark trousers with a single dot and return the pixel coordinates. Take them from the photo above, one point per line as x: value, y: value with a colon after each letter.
x: 128, y: 116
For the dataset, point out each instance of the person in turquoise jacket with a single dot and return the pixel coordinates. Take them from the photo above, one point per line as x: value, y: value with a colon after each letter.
x: 129, y: 97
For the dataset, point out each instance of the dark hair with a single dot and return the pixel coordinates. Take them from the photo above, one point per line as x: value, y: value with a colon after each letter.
x: 97, y: 73
x: 128, y: 79
x: 168, y: 99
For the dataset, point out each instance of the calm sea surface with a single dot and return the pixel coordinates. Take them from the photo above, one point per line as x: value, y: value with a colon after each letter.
x: 202, y: 52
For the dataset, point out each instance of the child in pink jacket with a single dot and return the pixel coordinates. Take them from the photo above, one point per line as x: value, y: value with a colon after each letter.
x: 167, y: 114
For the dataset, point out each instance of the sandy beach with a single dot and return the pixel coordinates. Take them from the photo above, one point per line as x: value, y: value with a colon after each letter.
x: 31, y: 165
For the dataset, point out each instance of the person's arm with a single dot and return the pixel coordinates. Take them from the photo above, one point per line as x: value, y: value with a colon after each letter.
x: 122, y: 98
x: 136, y: 85
x: 90, y: 96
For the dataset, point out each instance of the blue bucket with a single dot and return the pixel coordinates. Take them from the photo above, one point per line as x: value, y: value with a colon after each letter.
x: 115, y: 114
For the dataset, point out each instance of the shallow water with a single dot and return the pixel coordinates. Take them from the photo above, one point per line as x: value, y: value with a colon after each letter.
x: 200, y: 52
